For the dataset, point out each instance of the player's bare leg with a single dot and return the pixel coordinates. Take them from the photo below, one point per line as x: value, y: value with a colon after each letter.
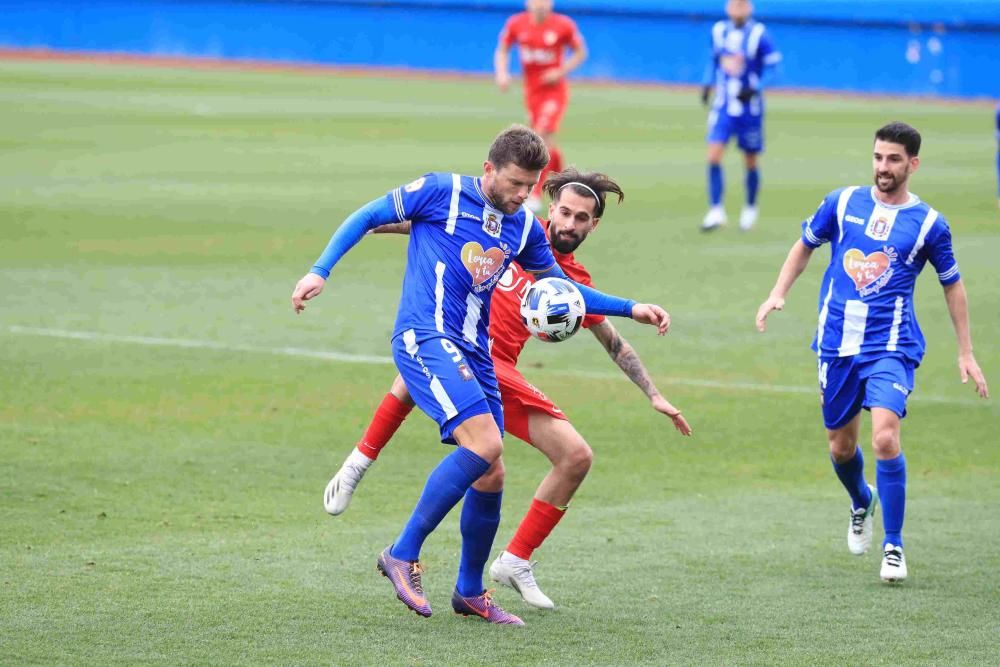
x: 748, y: 216
x: 716, y: 216
x: 848, y: 462
x: 891, y: 480
x: 571, y: 459
x: 390, y: 414
x: 534, y: 202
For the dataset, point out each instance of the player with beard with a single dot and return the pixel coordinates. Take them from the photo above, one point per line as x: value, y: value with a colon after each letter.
x: 578, y: 202
x: 868, y: 341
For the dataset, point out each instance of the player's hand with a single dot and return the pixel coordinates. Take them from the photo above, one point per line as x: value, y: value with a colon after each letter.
x: 551, y: 76
x: 772, y: 303
x: 746, y: 94
x: 503, y: 81
x: 706, y: 90
x: 310, y: 286
x: 661, y: 404
x: 648, y: 313
x: 967, y: 367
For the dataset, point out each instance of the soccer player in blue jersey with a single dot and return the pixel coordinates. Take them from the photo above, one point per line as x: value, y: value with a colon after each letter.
x: 742, y: 51
x: 464, y: 233
x: 868, y: 340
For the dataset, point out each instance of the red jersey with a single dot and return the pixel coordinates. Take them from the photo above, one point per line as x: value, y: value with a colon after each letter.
x: 507, y: 331
x: 541, y: 45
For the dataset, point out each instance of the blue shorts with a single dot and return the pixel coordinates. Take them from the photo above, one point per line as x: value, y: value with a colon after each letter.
x: 445, y: 383
x: 847, y: 385
x: 749, y: 130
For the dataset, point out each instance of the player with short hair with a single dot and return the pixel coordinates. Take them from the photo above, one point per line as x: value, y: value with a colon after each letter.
x: 542, y: 37
x: 742, y: 51
x: 868, y: 341
x: 577, y: 206
x: 465, y: 233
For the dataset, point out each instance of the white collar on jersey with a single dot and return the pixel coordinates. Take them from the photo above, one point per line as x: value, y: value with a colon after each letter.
x: 912, y: 201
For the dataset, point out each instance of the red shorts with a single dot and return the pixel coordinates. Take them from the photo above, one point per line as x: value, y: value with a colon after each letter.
x: 520, y: 399
x: 546, y: 106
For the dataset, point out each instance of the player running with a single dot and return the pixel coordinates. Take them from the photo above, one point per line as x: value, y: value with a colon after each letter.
x: 868, y: 340
x: 741, y: 53
x: 577, y: 205
x: 542, y: 37
x: 465, y: 233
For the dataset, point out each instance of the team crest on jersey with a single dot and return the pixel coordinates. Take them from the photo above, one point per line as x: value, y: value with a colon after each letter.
x: 879, y: 227
x: 870, y: 272
x: 415, y: 185
x: 550, y: 37
x: 492, y: 222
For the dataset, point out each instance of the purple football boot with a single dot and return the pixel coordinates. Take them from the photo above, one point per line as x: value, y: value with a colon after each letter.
x: 405, y: 578
x: 484, y: 607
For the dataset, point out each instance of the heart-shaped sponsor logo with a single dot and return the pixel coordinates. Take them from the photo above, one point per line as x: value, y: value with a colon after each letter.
x: 864, y: 270
x: 481, y: 264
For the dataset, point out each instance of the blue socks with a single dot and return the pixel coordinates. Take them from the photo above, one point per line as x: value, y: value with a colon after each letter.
x: 445, y: 486
x: 852, y: 476
x: 890, y: 477
x: 753, y: 184
x: 480, y: 520
x: 714, y: 184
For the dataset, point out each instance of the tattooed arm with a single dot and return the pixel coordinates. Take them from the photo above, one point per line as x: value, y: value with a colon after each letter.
x: 628, y: 360
x: 393, y: 228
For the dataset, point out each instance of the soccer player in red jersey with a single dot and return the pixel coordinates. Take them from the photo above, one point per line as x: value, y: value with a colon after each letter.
x: 578, y: 201
x: 542, y: 38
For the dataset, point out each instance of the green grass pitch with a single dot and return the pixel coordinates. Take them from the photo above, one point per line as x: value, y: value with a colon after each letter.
x: 165, y: 435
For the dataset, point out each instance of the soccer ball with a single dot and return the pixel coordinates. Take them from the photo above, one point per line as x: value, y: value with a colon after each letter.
x: 552, y: 309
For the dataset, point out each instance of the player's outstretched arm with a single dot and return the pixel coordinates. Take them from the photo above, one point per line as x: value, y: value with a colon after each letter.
x: 795, y: 264
x: 359, y: 223
x: 599, y: 303
x: 623, y: 354
x: 501, y: 66
x: 958, y: 308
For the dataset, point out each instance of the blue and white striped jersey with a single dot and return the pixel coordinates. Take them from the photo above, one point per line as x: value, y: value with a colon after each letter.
x: 459, y: 248
x: 877, y: 252
x: 739, y: 56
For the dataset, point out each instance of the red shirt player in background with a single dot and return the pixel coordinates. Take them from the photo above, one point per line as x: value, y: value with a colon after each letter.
x: 542, y: 38
x: 578, y: 201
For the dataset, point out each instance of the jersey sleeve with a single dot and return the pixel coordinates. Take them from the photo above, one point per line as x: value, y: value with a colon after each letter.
x: 821, y: 225
x: 766, y: 51
x: 579, y: 273
x: 408, y: 201
x: 536, y: 255
x: 507, y: 35
x: 572, y: 36
x: 940, y: 254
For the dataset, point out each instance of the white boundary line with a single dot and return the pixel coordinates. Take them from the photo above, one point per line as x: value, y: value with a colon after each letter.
x: 379, y: 360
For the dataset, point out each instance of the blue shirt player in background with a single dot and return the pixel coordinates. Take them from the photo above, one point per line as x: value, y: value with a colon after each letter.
x: 868, y: 340
x: 464, y: 233
x: 741, y: 53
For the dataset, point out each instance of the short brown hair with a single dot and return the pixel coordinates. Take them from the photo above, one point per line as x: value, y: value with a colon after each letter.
x: 600, y: 183
x: 521, y: 146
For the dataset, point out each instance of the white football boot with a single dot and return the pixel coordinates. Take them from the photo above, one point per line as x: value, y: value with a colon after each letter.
x: 715, y: 218
x: 748, y: 218
x: 517, y: 573
x: 859, y: 530
x: 893, y: 564
x: 340, y: 489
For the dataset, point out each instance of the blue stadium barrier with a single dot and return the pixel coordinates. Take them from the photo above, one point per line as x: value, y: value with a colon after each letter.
x: 917, y: 47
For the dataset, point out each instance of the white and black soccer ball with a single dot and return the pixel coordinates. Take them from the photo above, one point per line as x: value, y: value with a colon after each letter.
x: 552, y: 309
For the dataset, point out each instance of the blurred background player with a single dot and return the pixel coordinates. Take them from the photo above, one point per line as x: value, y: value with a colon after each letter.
x: 577, y: 206
x: 542, y: 37
x: 465, y: 232
x: 868, y: 340
x: 741, y: 53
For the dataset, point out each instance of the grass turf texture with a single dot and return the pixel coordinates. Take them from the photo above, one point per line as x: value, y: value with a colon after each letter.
x: 163, y: 503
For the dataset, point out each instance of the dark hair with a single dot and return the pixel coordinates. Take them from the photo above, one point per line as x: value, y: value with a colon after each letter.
x: 900, y: 133
x: 571, y: 177
x: 521, y: 146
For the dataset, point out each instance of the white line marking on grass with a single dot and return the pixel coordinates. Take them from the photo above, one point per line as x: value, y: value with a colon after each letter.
x: 372, y: 359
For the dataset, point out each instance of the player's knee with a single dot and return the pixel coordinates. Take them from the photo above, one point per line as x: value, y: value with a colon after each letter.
x: 492, y: 480
x: 578, y: 459
x: 885, y: 442
x: 489, y: 447
x: 842, y: 449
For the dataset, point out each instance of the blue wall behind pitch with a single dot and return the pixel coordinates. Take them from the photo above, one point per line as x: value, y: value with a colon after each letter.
x: 944, y: 47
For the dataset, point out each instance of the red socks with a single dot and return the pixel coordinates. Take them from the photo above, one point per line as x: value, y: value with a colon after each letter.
x: 534, y: 528
x: 388, y: 416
